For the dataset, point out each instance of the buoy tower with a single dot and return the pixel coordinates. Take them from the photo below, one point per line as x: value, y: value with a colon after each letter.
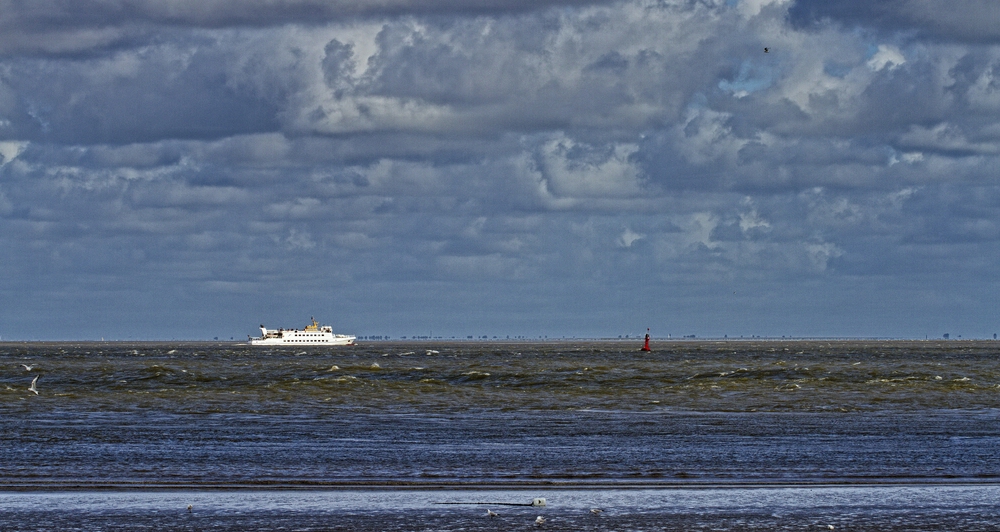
x: 645, y: 346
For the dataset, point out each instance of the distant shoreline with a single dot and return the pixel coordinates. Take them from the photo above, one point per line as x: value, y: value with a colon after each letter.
x: 522, y: 341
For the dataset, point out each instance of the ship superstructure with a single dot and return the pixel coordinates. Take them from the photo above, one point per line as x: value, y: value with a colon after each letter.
x: 313, y: 334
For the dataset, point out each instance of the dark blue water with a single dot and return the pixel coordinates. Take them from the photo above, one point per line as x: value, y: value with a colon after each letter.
x: 73, y: 449
x: 725, y: 435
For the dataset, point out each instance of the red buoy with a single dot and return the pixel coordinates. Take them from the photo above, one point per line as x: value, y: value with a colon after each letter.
x: 645, y: 347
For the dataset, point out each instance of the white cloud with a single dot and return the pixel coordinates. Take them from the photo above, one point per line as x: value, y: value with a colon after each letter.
x: 705, y: 137
x: 984, y: 94
x: 752, y: 8
x: 299, y: 240
x: 629, y: 237
x: 698, y: 229
x: 887, y: 56
x: 752, y: 220
x: 820, y: 254
x: 580, y: 171
x: 9, y: 150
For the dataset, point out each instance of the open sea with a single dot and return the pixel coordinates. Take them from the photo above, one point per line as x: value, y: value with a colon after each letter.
x: 694, y: 435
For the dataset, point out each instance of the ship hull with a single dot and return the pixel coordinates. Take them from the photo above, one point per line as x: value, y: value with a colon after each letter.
x: 313, y: 334
x: 336, y: 340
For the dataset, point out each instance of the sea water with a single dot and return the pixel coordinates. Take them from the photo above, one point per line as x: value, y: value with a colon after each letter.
x: 723, y: 435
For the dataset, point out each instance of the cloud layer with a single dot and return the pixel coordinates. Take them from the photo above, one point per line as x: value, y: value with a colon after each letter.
x: 188, y: 169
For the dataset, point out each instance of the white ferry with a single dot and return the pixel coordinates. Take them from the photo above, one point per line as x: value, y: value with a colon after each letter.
x: 311, y: 335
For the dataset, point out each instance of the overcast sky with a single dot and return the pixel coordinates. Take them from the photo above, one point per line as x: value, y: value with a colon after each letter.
x: 186, y: 169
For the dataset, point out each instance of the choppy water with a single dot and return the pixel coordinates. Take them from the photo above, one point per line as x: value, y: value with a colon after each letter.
x: 905, y: 433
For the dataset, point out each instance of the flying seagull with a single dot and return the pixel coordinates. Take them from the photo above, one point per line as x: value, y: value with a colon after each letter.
x: 767, y: 50
x: 27, y: 367
x: 32, y: 387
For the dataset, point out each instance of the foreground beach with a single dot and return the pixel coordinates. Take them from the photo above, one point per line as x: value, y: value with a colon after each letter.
x: 872, y: 508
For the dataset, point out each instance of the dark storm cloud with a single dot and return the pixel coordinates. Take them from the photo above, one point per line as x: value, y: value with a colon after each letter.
x: 76, y: 27
x: 132, y: 96
x: 973, y: 21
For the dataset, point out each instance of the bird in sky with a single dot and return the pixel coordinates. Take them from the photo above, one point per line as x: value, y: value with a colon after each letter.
x: 767, y: 50
x: 32, y: 387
